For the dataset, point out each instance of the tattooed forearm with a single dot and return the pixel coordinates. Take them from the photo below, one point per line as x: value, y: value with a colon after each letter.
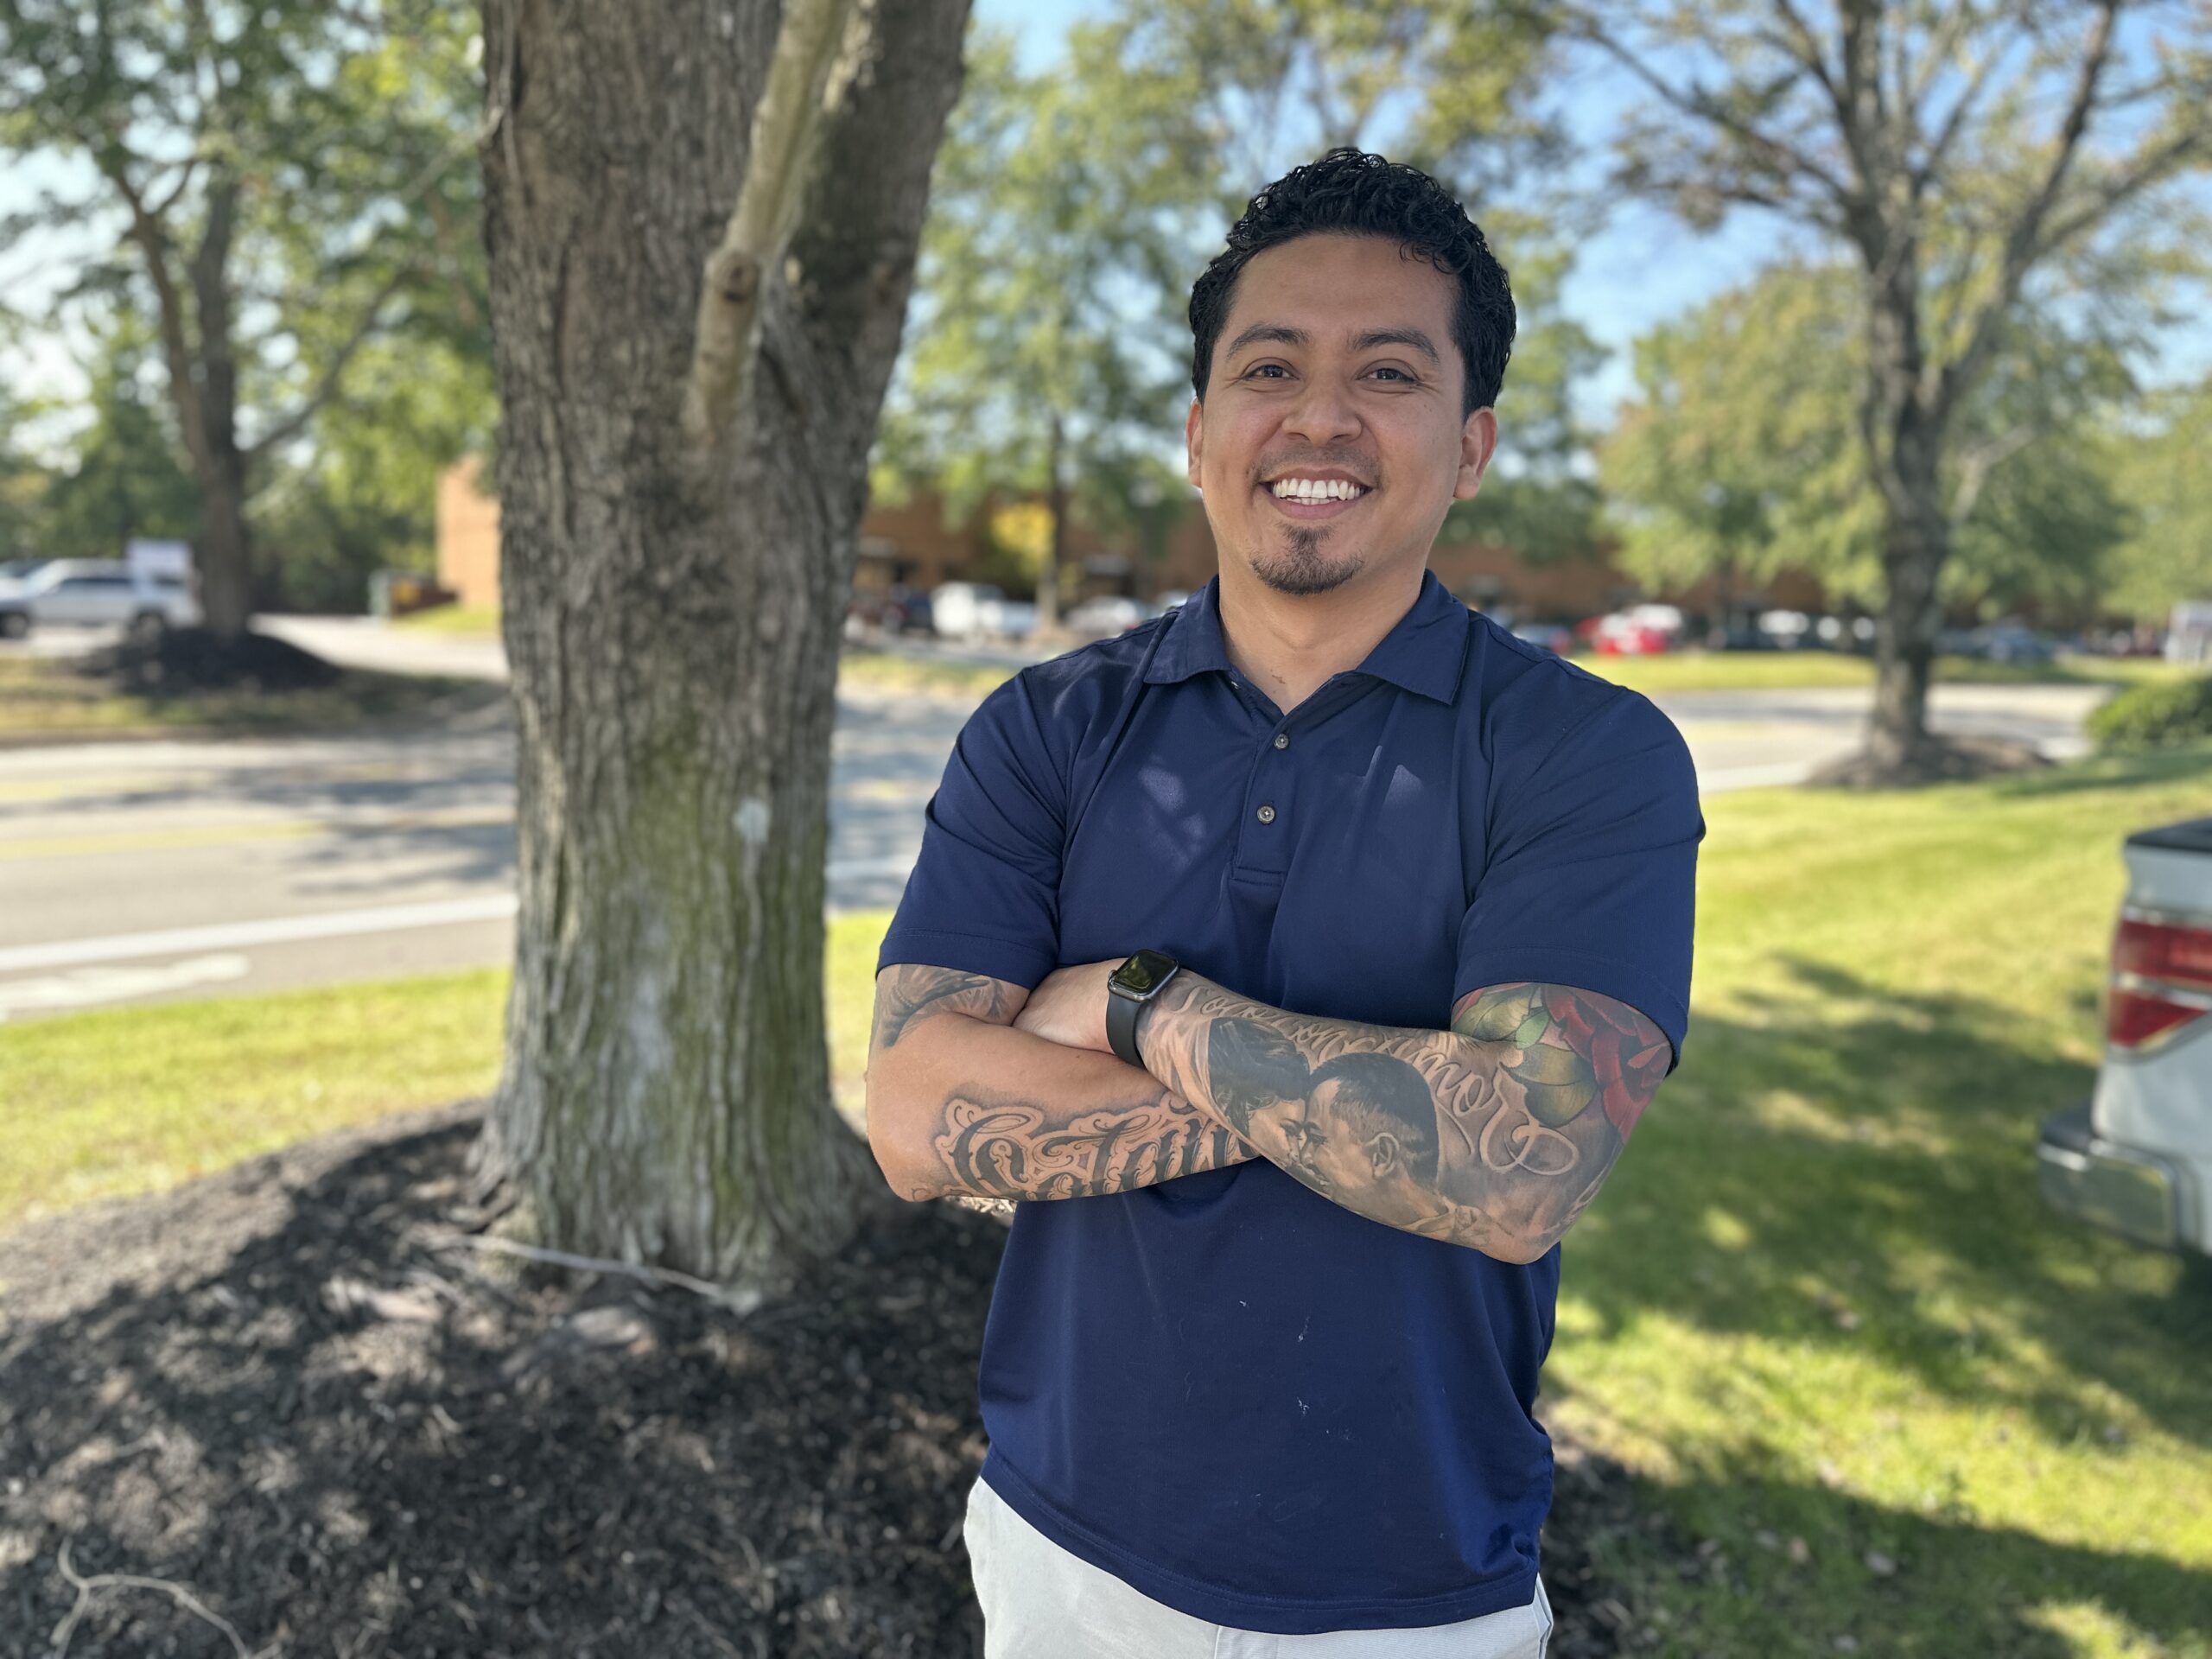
x: 998, y: 1146
x: 1482, y: 1135
x: 972, y: 1106
x: 906, y: 993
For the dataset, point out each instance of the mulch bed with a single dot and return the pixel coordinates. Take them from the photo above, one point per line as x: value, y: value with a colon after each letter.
x: 274, y: 1391
x: 175, y: 662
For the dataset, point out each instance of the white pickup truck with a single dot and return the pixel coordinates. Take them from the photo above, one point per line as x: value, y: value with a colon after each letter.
x: 2137, y: 1156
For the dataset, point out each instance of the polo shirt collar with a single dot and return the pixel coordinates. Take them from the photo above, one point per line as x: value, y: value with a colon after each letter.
x: 1421, y: 654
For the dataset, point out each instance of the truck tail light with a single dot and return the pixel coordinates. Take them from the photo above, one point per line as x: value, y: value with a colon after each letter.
x: 2161, y: 980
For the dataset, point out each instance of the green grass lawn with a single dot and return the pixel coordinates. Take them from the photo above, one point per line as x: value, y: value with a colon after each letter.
x: 1820, y: 1300
x: 42, y: 699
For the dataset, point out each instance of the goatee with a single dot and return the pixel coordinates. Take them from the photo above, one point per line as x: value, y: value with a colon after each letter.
x: 1303, y: 568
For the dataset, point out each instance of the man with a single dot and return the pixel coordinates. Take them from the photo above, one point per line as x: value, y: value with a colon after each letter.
x: 1301, y: 962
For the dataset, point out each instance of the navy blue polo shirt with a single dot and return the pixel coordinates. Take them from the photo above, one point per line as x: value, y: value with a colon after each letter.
x: 1249, y: 1403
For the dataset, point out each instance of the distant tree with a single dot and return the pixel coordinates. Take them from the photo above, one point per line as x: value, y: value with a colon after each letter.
x: 363, y: 497
x: 1740, y: 458
x: 1971, y: 157
x: 283, y: 176
x: 1736, y: 459
x: 125, y: 474
x: 2162, y: 468
x: 1043, y: 363
x: 702, y: 242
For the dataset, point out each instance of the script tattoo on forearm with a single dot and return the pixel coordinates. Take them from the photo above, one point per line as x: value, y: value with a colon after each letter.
x: 1002, y: 1147
x: 1481, y: 1135
x: 1126, y: 1133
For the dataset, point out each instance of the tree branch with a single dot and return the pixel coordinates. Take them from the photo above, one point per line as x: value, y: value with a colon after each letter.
x: 786, y: 128
x: 1783, y: 159
x: 2023, y: 244
x: 152, y: 238
x: 1977, y: 464
x: 289, y: 428
x: 2160, y: 164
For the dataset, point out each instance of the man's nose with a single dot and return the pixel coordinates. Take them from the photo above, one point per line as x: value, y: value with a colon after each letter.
x: 1324, y: 413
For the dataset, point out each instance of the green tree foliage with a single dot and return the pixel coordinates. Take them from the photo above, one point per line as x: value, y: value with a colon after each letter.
x: 283, y: 180
x: 1741, y: 457
x: 127, y: 475
x: 1071, y: 212
x: 1041, y: 361
x: 2163, y: 469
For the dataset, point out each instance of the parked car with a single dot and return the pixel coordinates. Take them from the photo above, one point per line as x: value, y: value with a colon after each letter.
x: 1998, y: 642
x: 1104, y: 616
x: 1551, y: 636
x: 1624, y: 633
x: 97, y: 593
x: 2135, y: 1158
x: 966, y: 610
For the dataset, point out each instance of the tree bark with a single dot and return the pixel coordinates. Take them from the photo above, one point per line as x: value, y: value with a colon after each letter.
x: 672, y: 626
x: 1906, y: 439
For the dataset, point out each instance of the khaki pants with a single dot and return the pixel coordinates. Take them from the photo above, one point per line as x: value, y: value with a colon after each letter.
x: 1039, y: 1602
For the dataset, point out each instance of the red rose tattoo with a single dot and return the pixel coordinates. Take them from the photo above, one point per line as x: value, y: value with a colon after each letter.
x: 1575, y: 1046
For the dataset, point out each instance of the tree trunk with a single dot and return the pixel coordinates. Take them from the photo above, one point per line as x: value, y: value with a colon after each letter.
x: 672, y: 631
x: 224, y: 559
x: 1056, y: 543
x: 1904, y: 653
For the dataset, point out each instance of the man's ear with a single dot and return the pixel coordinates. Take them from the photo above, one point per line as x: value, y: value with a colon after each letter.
x: 1477, y: 443
x: 1194, y: 441
x: 1385, y: 1154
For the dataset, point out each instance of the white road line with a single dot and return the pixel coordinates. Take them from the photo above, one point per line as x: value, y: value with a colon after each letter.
x: 275, y: 930
x: 285, y: 930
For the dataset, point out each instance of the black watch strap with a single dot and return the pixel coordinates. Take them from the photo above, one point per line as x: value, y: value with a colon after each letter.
x: 1134, y: 983
x: 1121, y: 1026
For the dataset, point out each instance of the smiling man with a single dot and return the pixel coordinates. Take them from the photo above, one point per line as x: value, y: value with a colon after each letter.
x: 1301, y: 962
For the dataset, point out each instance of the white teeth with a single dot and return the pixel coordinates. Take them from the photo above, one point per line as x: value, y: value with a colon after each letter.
x: 1315, y: 489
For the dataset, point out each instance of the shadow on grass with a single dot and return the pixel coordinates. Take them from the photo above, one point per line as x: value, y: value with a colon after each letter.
x: 269, y: 1389
x: 1857, y: 1170
x: 2131, y: 769
x: 1940, y: 1586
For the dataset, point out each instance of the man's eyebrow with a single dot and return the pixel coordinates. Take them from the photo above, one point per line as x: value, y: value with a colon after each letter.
x: 1282, y: 334
x: 1413, y: 337
x: 1259, y: 333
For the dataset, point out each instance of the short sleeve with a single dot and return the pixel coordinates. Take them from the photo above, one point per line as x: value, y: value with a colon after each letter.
x: 983, y: 896
x: 1591, y: 875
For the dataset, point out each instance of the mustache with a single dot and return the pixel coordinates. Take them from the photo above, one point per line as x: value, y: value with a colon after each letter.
x: 1361, y: 468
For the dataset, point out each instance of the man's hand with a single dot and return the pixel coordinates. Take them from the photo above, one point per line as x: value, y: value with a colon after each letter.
x: 1069, y: 1006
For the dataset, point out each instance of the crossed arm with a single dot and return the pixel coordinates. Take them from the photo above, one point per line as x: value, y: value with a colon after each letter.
x: 1495, y: 1135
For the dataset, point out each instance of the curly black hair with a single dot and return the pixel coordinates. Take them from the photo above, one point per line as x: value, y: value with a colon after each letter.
x: 1352, y: 193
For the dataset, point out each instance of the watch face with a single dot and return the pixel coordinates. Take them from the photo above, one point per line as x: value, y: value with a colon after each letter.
x: 1144, y: 973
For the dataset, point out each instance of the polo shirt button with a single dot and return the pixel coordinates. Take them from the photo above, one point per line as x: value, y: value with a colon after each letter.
x: 1282, y: 740
x: 1266, y: 815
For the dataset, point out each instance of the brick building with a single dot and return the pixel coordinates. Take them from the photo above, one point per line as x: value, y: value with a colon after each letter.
x: 910, y: 543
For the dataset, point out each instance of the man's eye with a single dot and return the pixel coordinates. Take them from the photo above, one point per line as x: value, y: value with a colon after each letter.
x: 1401, y: 373
x: 1262, y: 368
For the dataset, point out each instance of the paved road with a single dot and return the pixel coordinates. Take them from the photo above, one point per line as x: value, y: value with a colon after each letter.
x: 161, y: 870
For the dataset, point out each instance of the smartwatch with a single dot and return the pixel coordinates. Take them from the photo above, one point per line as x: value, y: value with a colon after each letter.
x: 1134, y: 983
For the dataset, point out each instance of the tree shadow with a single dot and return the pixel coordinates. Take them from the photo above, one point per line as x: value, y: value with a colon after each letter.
x: 1857, y: 1172
x: 2127, y: 770
x: 1765, y: 1565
